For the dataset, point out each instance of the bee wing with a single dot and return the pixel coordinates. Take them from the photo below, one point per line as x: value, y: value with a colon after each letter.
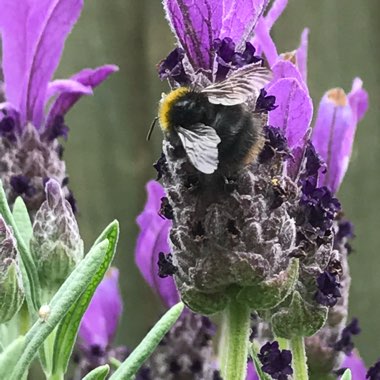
x: 239, y: 86
x: 201, y: 146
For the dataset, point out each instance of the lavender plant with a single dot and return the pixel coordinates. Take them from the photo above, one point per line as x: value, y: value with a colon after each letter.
x: 256, y: 252
x: 45, y: 283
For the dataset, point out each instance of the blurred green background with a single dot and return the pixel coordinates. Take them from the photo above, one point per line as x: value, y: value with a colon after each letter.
x: 109, y: 160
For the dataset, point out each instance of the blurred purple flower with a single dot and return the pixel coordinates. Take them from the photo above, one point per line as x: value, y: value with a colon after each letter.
x: 152, y: 240
x: 98, y: 327
x: 356, y: 365
x: 338, y: 113
x: 251, y: 372
x: 33, y: 35
x: 335, y: 128
x: 100, y: 321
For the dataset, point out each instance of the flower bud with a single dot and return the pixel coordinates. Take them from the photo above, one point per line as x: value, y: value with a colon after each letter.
x: 11, y: 289
x: 56, y: 244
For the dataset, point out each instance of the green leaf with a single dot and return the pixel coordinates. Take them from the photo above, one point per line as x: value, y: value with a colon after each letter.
x: 30, y: 276
x: 68, y: 327
x: 22, y: 220
x: 66, y: 296
x: 142, y: 352
x: 10, y: 356
x: 98, y: 373
x: 346, y: 375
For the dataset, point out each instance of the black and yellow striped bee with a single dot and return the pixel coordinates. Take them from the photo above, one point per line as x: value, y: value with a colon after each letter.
x: 215, y: 126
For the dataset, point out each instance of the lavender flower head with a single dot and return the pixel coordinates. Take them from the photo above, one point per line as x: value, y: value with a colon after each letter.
x: 268, y: 234
x: 29, y: 127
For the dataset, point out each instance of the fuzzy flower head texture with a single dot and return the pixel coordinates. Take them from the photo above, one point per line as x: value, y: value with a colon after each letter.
x: 270, y: 235
x: 33, y: 33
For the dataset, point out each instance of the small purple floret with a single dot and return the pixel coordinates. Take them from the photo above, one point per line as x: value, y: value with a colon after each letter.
x: 276, y: 363
x: 225, y: 50
x: 172, y: 67
x: 165, y: 265
x: 345, y: 342
x: 160, y: 165
x: 319, y: 206
x: 228, y: 58
x: 313, y: 161
x: 275, y: 142
x: 21, y: 185
x: 374, y: 372
x: 345, y: 230
x: 248, y: 56
x: 328, y: 289
x: 166, y: 210
x: 57, y: 129
x: 265, y: 103
x: 8, y: 127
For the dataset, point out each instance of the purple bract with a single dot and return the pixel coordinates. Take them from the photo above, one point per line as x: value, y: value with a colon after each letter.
x: 33, y: 34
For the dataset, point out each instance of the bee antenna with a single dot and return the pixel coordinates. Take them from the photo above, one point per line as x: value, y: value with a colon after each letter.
x: 148, y: 136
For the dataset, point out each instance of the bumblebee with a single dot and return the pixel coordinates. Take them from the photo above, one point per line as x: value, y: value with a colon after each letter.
x: 214, y: 124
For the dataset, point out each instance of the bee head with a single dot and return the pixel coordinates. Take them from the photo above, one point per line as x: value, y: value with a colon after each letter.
x: 182, y: 107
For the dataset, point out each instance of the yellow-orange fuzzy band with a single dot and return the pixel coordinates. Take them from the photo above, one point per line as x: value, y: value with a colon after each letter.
x: 166, y: 105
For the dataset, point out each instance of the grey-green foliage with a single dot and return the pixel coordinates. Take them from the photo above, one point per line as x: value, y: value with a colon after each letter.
x: 98, y: 373
x: 141, y: 353
x: 10, y: 356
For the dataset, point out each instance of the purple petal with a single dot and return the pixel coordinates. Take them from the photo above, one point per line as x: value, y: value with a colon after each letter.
x: 100, y: 321
x: 286, y: 69
x: 13, y: 24
x: 301, y: 54
x: 89, y: 78
x: 334, y: 131
x: 153, y: 239
x: 33, y: 35
x: 251, y: 372
x: 358, y: 99
x: 275, y: 12
x: 294, y: 111
x: 356, y: 365
x: 196, y: 25
x: 240, y: 18
x: 60, y: 86
x: 265, y: 42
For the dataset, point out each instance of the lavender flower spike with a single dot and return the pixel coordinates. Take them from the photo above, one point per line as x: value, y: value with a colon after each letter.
x: 33, y: 33
x: 153, y: 240
x: 30, y: 59
x: 335, y: 128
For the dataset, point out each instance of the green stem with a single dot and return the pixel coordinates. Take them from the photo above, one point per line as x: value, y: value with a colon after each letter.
x: 56, y: 376
x: 283, y: 343
x: 235, y: 341
x: 297, y: 346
